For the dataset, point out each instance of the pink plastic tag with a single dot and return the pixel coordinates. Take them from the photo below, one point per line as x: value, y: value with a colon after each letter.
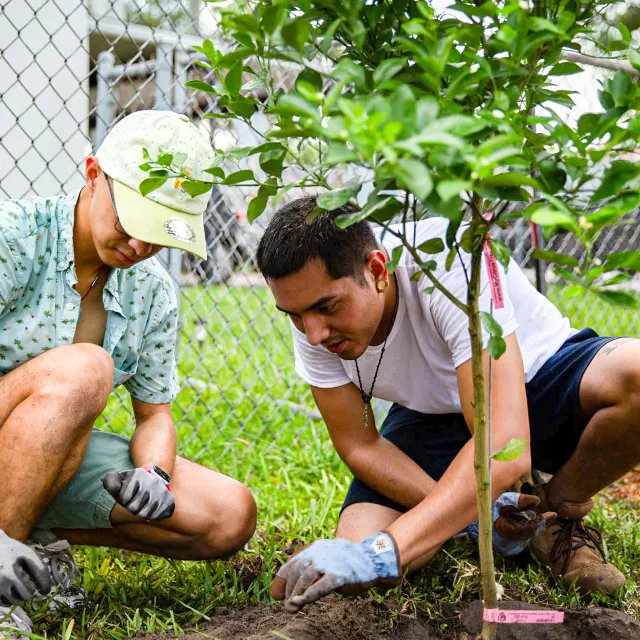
x: 502, y: 616
x: 494, y: 277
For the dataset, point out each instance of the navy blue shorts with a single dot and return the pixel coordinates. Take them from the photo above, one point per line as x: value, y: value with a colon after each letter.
x: 553, y: 397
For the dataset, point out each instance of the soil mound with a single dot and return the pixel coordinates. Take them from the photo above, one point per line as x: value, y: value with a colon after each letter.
x: 360, y: 619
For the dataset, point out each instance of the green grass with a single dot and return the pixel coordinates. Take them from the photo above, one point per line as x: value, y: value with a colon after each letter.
x: 233, y: 415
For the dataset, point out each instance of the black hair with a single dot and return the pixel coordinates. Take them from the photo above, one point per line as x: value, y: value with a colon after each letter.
x: 289, y: 242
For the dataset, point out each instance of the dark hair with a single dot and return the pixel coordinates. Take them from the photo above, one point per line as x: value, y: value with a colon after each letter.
x: 289, y: 242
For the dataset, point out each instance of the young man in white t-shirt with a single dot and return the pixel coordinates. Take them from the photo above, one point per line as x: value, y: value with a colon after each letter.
x: 360, y: 331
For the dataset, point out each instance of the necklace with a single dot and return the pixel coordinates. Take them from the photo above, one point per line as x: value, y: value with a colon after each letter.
x: 367, y: 397
x: 93, y: 284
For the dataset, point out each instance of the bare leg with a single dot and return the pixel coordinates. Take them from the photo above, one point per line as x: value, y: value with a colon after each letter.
x: 47, y: 409
x: 360, y: 520
x: 610, y: 443
x: 214, y: 517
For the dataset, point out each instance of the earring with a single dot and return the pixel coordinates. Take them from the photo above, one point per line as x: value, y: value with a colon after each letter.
x: 381, y: 285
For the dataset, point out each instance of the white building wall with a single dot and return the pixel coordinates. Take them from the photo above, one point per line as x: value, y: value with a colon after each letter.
x: 44, y: 103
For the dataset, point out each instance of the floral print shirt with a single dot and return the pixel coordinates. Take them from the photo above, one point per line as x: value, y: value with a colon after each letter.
x: 40, y: 309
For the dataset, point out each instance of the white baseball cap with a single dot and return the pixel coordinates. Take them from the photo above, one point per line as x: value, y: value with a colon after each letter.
x: 168, y: 216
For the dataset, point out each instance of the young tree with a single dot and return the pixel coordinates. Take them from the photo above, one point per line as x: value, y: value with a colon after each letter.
x: 453, y: 113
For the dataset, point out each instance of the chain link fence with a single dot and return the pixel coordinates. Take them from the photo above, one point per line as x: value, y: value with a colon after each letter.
x: 69, y: 70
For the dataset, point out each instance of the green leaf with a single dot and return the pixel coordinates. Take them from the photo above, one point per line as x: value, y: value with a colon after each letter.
x: 435, y: 245
x: 565, y: 69
x: 396, y: 254
x: 151, y: 184
x: 634, y: 59
x: 144, y: 167
x: 511, y: 180
x: 511, y: 451
x: 623, y: 260
x: 415, y: 177
x: 551, y: 218
x: 448, y: 189
x: 296, y: 33
x: 501, y: 251
x: 243, y: 107
x: 268, y: 187
x: 216, y: 172
x: 555, y: 258
x: 198, y: 85
x: 272, y: 16
x: 238, y: 176
x: 615, y: 178
x: 491, y: 324
x: 619, y: 298
x: 388, y: 68
x: 333, y: 199
x: 196, y: 187
x: 309, y: 85
x: 327, y: 40
x: 233, y: 79
x: 339, y: 153
x: 165, y: 159
x: 295, y: 105
x: 616, y: 208
x: 256, y: 207
x: 496, y: 347
x: 271, y: 161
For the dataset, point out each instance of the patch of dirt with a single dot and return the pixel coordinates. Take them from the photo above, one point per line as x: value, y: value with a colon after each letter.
x: 628, y: 487
x: 360, y: 619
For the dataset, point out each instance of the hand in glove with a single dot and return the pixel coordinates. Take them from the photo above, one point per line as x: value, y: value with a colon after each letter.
x: 329, y: 565
x: 22, y: 573
x: 140, y: 492
x: 515, y: 521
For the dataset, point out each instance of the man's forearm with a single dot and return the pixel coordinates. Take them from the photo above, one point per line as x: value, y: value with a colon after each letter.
x: 154, y: 442
x: 449, y: 507
x: 391, y: 472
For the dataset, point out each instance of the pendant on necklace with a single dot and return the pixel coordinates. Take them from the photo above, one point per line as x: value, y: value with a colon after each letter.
x: 367, y: 403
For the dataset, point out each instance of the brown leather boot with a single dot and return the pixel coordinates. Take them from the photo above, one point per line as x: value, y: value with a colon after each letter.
x: 573, y: 550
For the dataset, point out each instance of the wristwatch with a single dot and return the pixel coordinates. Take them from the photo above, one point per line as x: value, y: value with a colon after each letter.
x: 155, y: 470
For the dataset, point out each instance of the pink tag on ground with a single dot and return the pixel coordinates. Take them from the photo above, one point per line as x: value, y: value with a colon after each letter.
x: 503, y: 616
x: 494, y: 277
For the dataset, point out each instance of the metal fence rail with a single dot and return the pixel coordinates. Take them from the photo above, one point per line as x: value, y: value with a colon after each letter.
x: 68, y: 71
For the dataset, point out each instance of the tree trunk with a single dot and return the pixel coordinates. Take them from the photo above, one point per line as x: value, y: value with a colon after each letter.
x: 481, y: 461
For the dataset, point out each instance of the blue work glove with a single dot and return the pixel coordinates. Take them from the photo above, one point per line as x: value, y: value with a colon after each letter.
x: 22, y: 572
x: 516, y: 519
x: 328, y: 565
x: 141, y: 493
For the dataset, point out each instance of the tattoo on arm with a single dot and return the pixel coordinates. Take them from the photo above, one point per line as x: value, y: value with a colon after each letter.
x: 613, y: 345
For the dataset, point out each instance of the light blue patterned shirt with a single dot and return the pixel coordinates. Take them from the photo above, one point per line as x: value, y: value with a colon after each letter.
x: 40, y: 309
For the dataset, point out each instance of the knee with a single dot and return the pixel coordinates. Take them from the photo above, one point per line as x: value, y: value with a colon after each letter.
x: 80, y: 376
x: 232, y: 526
x: 629, y: 386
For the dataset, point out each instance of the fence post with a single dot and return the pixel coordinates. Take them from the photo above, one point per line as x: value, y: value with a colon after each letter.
x: 104, y: 96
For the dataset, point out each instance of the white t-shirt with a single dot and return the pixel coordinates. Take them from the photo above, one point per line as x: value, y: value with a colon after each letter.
x: 430, y: 336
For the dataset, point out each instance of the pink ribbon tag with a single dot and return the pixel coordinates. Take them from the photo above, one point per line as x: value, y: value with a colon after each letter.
x: 494, y: 277
x: 503, y: 616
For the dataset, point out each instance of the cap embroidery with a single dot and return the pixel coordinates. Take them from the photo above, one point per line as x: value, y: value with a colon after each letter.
x: 180, y: 230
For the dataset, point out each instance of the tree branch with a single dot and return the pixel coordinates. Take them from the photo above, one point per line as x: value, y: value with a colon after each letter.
x: 603, y: 63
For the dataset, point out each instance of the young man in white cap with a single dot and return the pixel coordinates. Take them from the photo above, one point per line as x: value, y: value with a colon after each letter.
x: 85, y: 307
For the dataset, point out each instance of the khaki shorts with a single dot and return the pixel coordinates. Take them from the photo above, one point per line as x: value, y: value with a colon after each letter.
x: 84, y: 503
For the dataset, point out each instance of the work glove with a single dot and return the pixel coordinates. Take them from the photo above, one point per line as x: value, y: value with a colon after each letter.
x: 22, y: 573
x: 515, y: 521
x: 329, y: 565
x: 140, y: 492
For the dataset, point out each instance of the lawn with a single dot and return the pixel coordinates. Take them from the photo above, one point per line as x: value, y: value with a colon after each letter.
x: 243, y: 411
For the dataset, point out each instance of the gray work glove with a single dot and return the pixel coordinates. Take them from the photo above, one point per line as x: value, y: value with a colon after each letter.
x: 22, y: 573
x: 141, y: 493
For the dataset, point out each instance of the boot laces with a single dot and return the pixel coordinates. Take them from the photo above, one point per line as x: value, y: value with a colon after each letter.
x: 572, y: 535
